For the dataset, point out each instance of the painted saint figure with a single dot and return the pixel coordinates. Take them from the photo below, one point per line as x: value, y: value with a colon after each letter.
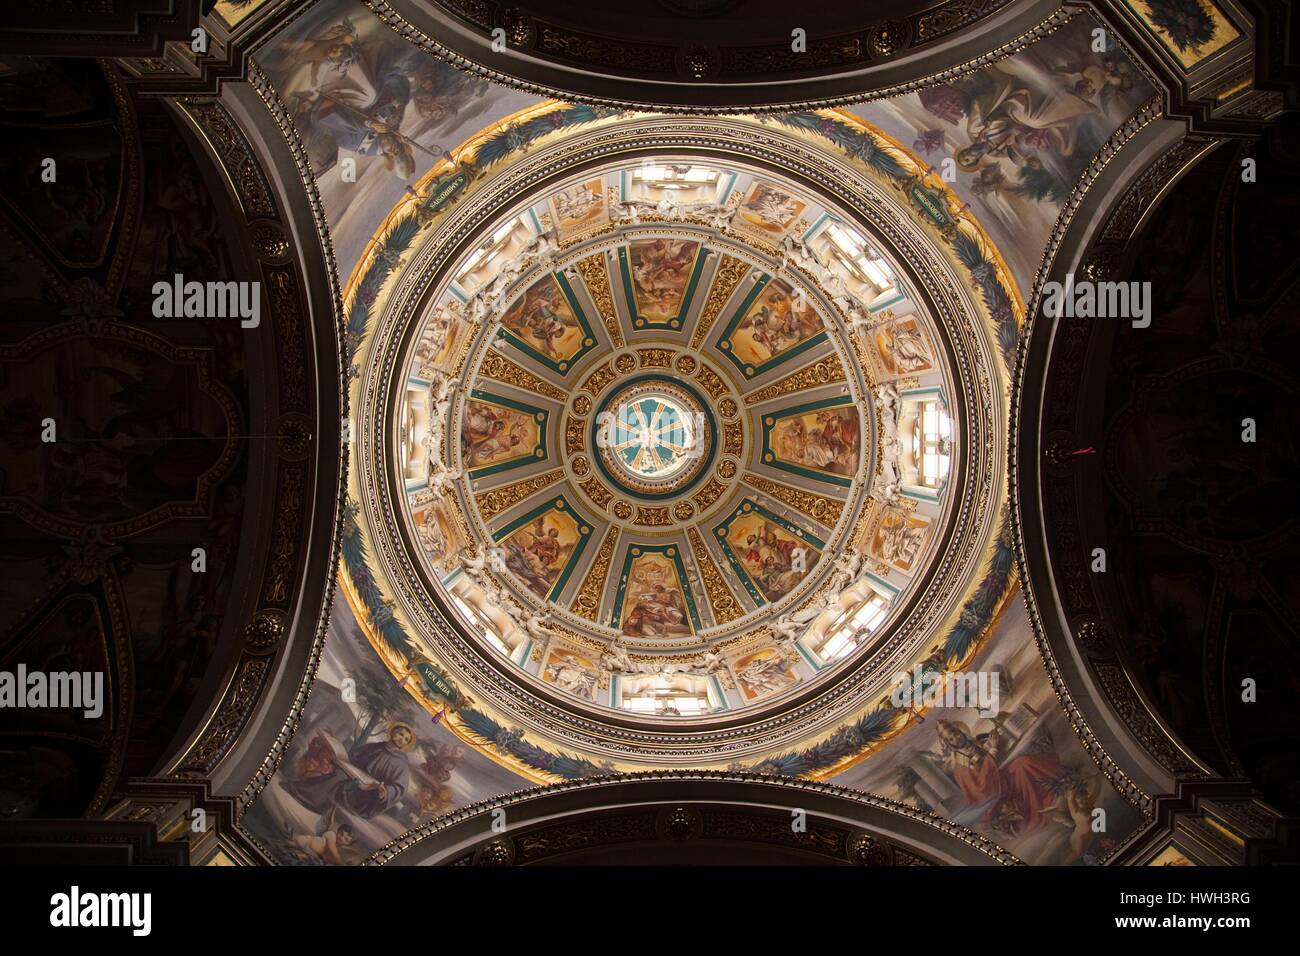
x: 371, y: 780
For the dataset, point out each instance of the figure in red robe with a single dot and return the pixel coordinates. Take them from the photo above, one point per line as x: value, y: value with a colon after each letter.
x: 1020, y: 792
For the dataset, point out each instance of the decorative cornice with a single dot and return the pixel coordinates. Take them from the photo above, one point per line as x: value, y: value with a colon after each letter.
x: 787, y: 787
x: 885, y: 40
x: 279, y: 115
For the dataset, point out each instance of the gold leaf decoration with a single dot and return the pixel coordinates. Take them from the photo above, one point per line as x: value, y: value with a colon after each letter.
x: 597, y: 492
x: 496, y: 500
x: 573, y: 435
x: 499, y: 368
x: 711, y: 492
x: 721, y: 600
x: 586, y: 603
x: 820, y: 508
x: 598, y: 379
x: 652, y: 517
x: 733, y: 438
x: 823, y: 372
x: 711, y: 381
x: 654, y: 358
x: 595, y: 275
x: 730, y: 271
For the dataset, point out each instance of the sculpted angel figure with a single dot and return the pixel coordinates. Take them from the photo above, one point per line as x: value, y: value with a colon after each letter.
x: 533, y: 623
x: 541, y: 251
x: 443, y: 394
x: 712, y: 663
x: 793, y: 249
x: 847, y: 569
x: 886, y: 488
x: 441, y: 478
x: 633, y: 211
x: 477, y: 308
x: 616, y: 659
x: 477, y: 567
x: 792, y: 625
x: 717, y: 215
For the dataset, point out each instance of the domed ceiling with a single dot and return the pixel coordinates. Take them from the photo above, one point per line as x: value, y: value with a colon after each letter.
x: 648, y: 432
x: 663, y: 438
x: 677, y: 444
x: 656, y: 443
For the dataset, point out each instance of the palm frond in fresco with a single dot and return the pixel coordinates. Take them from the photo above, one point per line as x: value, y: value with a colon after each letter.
x: 355, y: 559
x: 996, y: 299
x: 858, y: 143
x: 508, y: 740
x: 520, y: 135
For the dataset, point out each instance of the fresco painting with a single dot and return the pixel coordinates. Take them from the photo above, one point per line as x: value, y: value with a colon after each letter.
x: 541, y: 550
x: 775, y: 322
x: 544, y: 319
x: 825, y: 441
x: 492, y: 434
x: 1019, y: 777
x: 1017, y: 134
x: 654, y: 602
x: 361, y: 771
x: 358, y: 92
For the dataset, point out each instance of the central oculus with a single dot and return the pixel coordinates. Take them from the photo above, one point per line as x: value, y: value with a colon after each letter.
x: 653, y: 436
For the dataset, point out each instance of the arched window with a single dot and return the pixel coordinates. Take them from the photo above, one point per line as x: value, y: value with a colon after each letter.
x: 666, y: 695
x: 851, y: 629
x: 866, y: 271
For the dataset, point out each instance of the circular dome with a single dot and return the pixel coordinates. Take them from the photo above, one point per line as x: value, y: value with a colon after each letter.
x: 676, y: 443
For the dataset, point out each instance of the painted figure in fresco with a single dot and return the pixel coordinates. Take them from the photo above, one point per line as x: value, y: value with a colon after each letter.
x: 797, y: 445
x: 331, y: 847
x: 1021, y: 793
x: 568, y: 674
x: 837, y: 428
x: 430, y: 793
x: 444, y: 96
x: 771, y: 560
x: 339, y: 119
x: 1099, y: 78
x: 830, y: 445
x: 1033, y: 133
x: 535, y: 555
x: 659, y: 610
x: 370, y: 780
x: 337, y: 48
x: 660, y: 269
x: 575, y: 203
x: 766, y: 674
x: 545, y: 320
x: 900, y: 541
x: 777, y: 325
x: 489, y: 434
x: 778, y: 321
x: 774, y: 208
x: 542, y: 317
x: 441, y: 761
x: 365, y: 114
x: 908, y: 348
